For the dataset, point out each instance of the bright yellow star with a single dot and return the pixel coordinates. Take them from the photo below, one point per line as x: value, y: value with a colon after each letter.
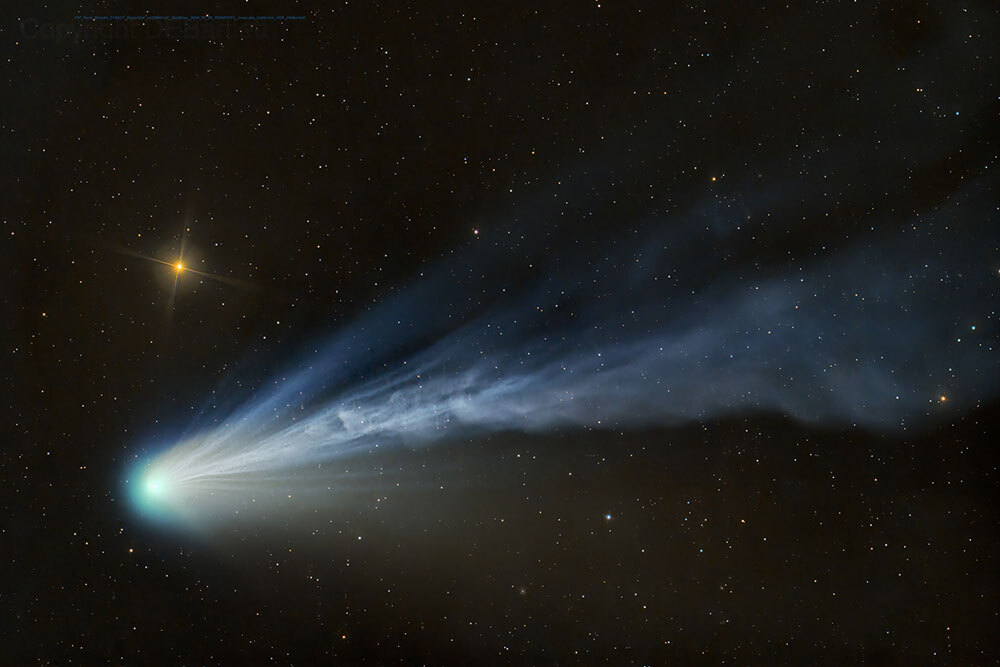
x: 179, y: 266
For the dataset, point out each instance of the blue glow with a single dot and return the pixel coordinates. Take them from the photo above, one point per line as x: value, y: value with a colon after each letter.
x: 148, y: 492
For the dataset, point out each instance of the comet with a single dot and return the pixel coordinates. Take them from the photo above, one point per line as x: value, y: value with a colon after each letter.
x: 622, y: 350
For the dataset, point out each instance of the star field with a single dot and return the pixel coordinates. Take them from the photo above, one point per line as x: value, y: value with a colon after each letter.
x: 599, y: 334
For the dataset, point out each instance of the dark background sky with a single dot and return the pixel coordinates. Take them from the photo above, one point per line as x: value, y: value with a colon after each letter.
x: 322, y: 165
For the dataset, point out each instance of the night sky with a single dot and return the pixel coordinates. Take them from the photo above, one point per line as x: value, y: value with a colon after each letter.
x: 468, y: 334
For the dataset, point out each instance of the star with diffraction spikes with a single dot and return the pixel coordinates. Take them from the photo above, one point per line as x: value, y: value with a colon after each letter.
x: 180, y: 266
